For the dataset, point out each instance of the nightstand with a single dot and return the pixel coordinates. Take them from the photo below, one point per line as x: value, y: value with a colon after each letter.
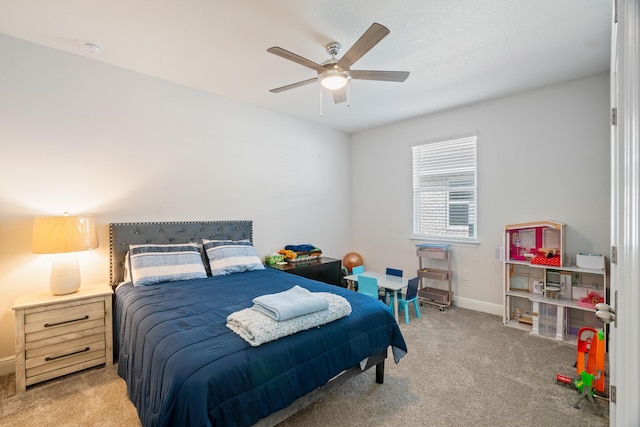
x: 323, y: 269
x: 60, y: 334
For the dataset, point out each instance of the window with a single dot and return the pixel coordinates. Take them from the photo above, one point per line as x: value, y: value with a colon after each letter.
x: 445, y: 190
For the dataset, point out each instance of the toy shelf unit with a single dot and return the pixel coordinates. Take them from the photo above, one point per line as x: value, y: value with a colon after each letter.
x: 548, y: 298
x: 429, y: 292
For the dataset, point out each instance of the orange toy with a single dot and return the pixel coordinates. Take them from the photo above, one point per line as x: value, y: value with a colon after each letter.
x: 591, y: 353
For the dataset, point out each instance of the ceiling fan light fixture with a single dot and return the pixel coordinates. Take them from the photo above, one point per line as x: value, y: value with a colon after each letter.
x: 334, y: 79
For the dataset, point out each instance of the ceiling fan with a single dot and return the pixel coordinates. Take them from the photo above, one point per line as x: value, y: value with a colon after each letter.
x: 335, y: 74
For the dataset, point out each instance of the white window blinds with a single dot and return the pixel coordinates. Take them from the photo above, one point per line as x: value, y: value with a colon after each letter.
x: 445, y: 190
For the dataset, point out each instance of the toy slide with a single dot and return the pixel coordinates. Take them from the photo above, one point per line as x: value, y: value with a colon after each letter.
x: 589, y: 365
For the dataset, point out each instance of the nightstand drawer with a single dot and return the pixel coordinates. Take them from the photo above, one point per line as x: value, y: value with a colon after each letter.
x: 43, y: 323
x: 52, y: 358
x: 68, y: 353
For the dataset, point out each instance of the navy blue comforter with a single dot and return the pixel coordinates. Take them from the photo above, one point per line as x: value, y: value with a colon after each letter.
x: 183, y: 366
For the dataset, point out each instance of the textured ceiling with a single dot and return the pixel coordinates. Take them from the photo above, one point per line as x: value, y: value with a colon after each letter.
x: 458, y: 51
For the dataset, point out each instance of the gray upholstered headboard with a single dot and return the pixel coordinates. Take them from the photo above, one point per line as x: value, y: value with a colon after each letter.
x: 121, y: 235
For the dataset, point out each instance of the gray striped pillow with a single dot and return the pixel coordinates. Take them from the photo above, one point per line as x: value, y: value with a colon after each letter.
x: 228, y: 257
x: 152, y: 264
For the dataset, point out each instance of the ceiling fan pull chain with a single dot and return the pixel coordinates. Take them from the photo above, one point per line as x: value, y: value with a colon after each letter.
x: 320, y: 88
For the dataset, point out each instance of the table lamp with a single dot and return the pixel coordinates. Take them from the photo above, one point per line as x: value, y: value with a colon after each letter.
x: 63, y: 236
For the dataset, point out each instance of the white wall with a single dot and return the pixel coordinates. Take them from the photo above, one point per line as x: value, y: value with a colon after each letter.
x: 84, y: 137
x: 80, y: 136
x: 542, y: 154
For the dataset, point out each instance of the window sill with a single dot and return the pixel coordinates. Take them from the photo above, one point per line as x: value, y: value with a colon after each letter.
x: 453, y: 242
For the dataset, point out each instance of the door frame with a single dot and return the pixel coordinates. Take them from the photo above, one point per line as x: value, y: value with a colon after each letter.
x: 624, y: 344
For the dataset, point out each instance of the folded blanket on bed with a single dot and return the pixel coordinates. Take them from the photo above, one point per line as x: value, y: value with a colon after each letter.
x: 257, y: 328
x: 294, y: 302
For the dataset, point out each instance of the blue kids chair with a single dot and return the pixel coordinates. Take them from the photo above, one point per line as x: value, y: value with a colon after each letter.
x: 410, y: 297
x: 387, y: 294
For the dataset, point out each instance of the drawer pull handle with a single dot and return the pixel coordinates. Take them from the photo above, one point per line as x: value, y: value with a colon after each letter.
x: 49, y: 359
x: 48, y: 325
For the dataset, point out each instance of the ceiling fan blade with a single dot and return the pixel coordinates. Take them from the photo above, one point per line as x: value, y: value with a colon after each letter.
x: 296, y: 58
x: 387, y: 76
x: 294, y: 85
x: 339, y: 95
x: 369, y: 39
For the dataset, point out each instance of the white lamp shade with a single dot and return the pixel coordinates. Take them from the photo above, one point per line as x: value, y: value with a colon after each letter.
x: 57, y: 234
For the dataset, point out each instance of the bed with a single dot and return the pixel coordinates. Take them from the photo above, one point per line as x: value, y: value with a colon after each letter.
x: 184, y: 366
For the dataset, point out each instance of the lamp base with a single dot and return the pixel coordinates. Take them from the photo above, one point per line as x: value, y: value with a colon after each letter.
x: 65, y: 274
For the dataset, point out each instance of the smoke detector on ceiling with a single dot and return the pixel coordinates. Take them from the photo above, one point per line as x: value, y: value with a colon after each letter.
x: 92, y: 48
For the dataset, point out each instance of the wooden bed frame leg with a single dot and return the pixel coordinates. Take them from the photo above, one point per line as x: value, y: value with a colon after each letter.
x: 380, y: 373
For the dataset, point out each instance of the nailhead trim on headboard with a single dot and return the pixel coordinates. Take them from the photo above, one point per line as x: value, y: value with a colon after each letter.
x: 121, y: 235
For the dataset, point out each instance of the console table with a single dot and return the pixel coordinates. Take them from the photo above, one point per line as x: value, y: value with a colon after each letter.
x: 324, y: 269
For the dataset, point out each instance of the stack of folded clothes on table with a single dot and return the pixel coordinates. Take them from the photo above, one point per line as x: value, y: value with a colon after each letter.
x: 305, y: 252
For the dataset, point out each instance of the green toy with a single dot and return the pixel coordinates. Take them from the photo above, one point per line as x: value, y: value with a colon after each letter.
x: 585, y: 388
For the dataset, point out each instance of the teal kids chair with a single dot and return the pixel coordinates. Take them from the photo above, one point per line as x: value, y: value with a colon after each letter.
x: 411, y: 296
x: 368, y: 286
x: 351, y: 284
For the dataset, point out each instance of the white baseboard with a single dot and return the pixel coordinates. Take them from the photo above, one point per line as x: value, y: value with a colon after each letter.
x: 476, y: 305
x: 7, y: 365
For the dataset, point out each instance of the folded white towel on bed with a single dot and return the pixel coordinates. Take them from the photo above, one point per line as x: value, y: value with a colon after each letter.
x: 294, y: 302
x: 257, y: 328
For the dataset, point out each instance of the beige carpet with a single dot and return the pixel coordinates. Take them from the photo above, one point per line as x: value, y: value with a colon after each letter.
x: 463, y: 368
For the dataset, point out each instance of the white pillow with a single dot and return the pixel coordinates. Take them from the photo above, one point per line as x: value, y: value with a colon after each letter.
x: 126, y: 269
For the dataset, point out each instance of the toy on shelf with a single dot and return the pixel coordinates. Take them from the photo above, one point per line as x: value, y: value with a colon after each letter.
x: 590, y: 300
x: 540, y: 242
